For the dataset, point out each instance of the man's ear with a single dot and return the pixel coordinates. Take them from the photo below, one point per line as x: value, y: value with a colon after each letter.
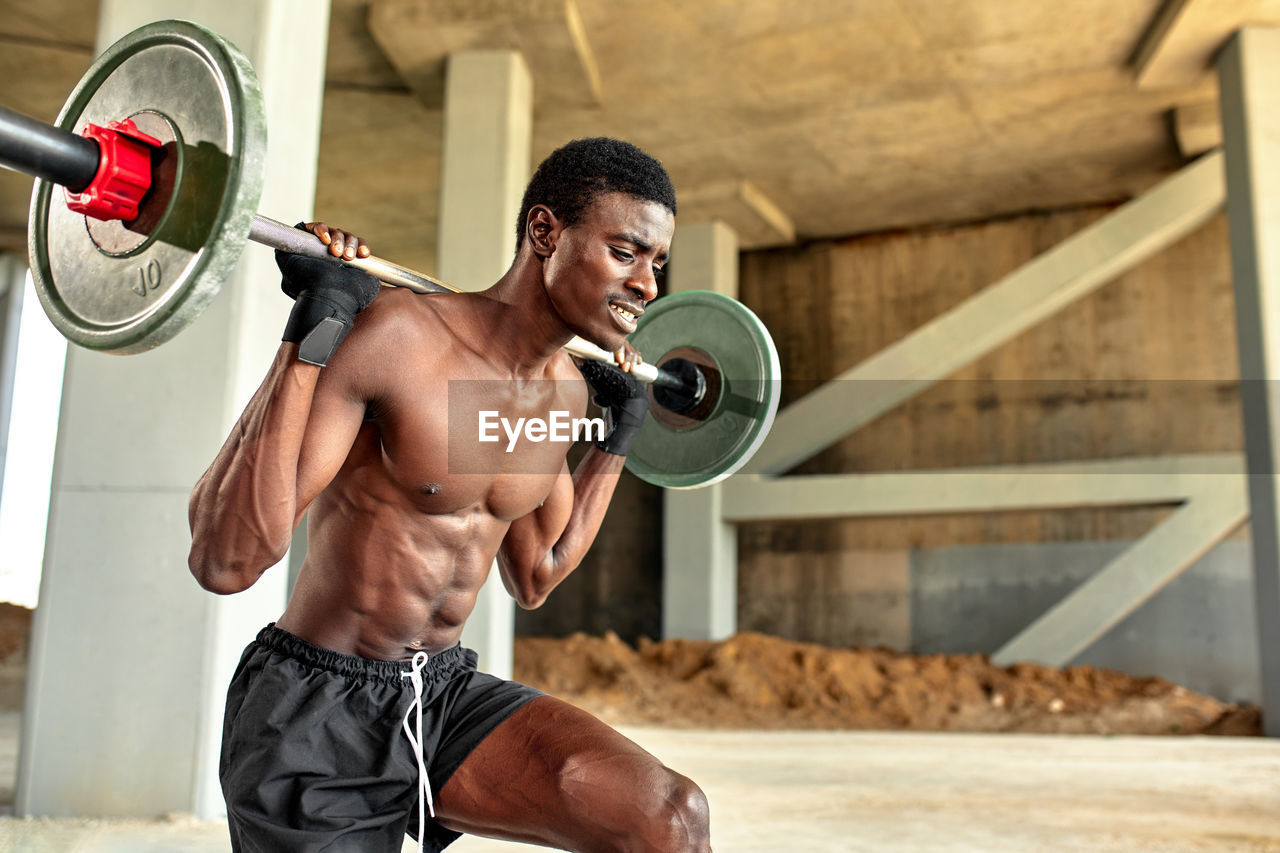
x: 542, y: 228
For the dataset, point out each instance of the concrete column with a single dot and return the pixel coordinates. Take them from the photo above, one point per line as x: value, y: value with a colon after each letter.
x: 12, y: 278
x: 130, y: 658
x: 700, y: 549
x: 704, y: 256
x: 488, y: 124
x: 32, y: 360
x: 1249, y: 74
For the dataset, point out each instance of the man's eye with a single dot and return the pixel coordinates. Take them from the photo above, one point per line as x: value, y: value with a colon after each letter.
x: 622, y: 256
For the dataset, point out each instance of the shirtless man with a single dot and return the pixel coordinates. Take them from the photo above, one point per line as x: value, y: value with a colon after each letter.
x: 358, y: 710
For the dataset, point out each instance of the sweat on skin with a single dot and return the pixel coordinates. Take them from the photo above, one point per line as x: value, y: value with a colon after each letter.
x: 559, y: 426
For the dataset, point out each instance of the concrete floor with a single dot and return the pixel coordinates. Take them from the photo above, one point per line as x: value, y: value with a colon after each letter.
x: 821, y: 792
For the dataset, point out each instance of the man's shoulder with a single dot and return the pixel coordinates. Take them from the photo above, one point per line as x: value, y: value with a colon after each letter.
x: 399, y: 312
x: 401, y: 334
x: 401, y: 330
x: 572, y: 387
x: 562, y: 367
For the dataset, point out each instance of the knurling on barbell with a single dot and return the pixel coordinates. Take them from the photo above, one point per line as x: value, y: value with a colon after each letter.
x: 187, y: 100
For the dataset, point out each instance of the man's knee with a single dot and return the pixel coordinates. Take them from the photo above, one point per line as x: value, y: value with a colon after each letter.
x: 672, y: 816
x: 648, y: 808
x: 685, y: 818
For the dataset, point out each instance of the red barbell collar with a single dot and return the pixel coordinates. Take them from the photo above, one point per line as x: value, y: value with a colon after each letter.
x: 124, y: 172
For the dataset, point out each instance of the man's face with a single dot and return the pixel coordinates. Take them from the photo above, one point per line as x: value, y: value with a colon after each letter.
x: 605, y: 266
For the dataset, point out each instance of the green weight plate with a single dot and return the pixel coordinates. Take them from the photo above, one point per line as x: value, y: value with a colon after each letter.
x: 741, y: 363
x: 128, y: 288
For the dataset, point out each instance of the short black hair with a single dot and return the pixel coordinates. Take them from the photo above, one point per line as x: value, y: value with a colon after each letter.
x: 571, y: 177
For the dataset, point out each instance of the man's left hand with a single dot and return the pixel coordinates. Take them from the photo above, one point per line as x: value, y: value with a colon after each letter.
x: 627, y: 357
x: 622, y: 396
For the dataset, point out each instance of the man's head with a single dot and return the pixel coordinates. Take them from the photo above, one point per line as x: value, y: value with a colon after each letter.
x: 599, y: 215
x: 575, y: 174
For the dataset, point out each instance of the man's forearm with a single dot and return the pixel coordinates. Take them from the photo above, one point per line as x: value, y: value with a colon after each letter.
x: 545, y: 547
x: 243, y: 509
x: 594, y: 482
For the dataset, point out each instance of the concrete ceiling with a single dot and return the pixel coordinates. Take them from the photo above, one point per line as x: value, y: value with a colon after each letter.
x: 790, y: 121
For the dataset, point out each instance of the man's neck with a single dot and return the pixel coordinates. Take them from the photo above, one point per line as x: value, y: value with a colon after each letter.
x: 527, y: 327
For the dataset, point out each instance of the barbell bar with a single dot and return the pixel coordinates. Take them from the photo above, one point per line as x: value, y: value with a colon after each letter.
x: 176, y: 110
x: 73, y: 161
x: 277, y: 235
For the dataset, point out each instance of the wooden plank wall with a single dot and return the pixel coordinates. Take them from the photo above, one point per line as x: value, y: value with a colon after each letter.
x: 1144, y: 366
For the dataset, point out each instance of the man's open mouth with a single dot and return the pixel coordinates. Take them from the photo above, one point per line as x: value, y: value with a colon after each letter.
x: 625, y: 317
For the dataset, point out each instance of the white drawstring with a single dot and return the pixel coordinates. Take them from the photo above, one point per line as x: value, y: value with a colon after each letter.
x: 424, y: 788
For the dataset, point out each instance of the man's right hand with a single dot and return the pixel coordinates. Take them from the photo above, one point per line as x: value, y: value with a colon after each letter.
x: 327, y: 296
x: 342, y: 244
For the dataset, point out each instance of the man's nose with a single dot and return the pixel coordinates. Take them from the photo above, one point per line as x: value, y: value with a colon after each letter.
x: 645, y: 285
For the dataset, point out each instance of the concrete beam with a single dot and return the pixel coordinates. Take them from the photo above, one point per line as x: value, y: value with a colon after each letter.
x: 1197, y: 128
x: 1074, y: 268
x: 1249, y: 74
x: 741, y: 205
x: 1179, y: 47
x: 418, y: 35
x: 704, y: 256
x: 1124, y: 584
x: 1066, y: 485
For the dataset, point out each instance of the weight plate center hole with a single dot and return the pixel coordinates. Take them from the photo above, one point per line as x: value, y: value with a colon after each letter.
x: 116, y: 238
x: 704, y: 408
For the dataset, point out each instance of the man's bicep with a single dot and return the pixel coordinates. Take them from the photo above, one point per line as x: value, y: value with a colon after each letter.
x: 359, y: 371
x: 527, y: 546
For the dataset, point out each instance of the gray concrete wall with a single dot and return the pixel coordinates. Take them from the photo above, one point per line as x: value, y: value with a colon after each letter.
x: 1199, y: 631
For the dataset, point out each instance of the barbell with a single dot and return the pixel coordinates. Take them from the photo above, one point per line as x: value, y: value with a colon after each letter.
x: 160, y: 154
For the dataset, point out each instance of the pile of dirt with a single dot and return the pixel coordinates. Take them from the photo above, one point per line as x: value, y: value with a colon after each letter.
x: 754, y: 681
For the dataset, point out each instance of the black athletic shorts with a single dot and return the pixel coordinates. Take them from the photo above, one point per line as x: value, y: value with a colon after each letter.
x: 313, y: 754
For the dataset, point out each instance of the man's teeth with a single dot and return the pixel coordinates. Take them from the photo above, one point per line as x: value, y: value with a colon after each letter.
x: 626, y: 315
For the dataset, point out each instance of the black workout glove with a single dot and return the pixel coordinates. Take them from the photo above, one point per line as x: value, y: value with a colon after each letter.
x: 327, y: 296
x: 624, y: 400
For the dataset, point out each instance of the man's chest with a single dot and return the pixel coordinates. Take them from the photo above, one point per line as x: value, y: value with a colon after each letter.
x: 463, y: 443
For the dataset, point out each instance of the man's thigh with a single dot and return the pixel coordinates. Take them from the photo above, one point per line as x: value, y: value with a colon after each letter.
x: 553, y: 774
